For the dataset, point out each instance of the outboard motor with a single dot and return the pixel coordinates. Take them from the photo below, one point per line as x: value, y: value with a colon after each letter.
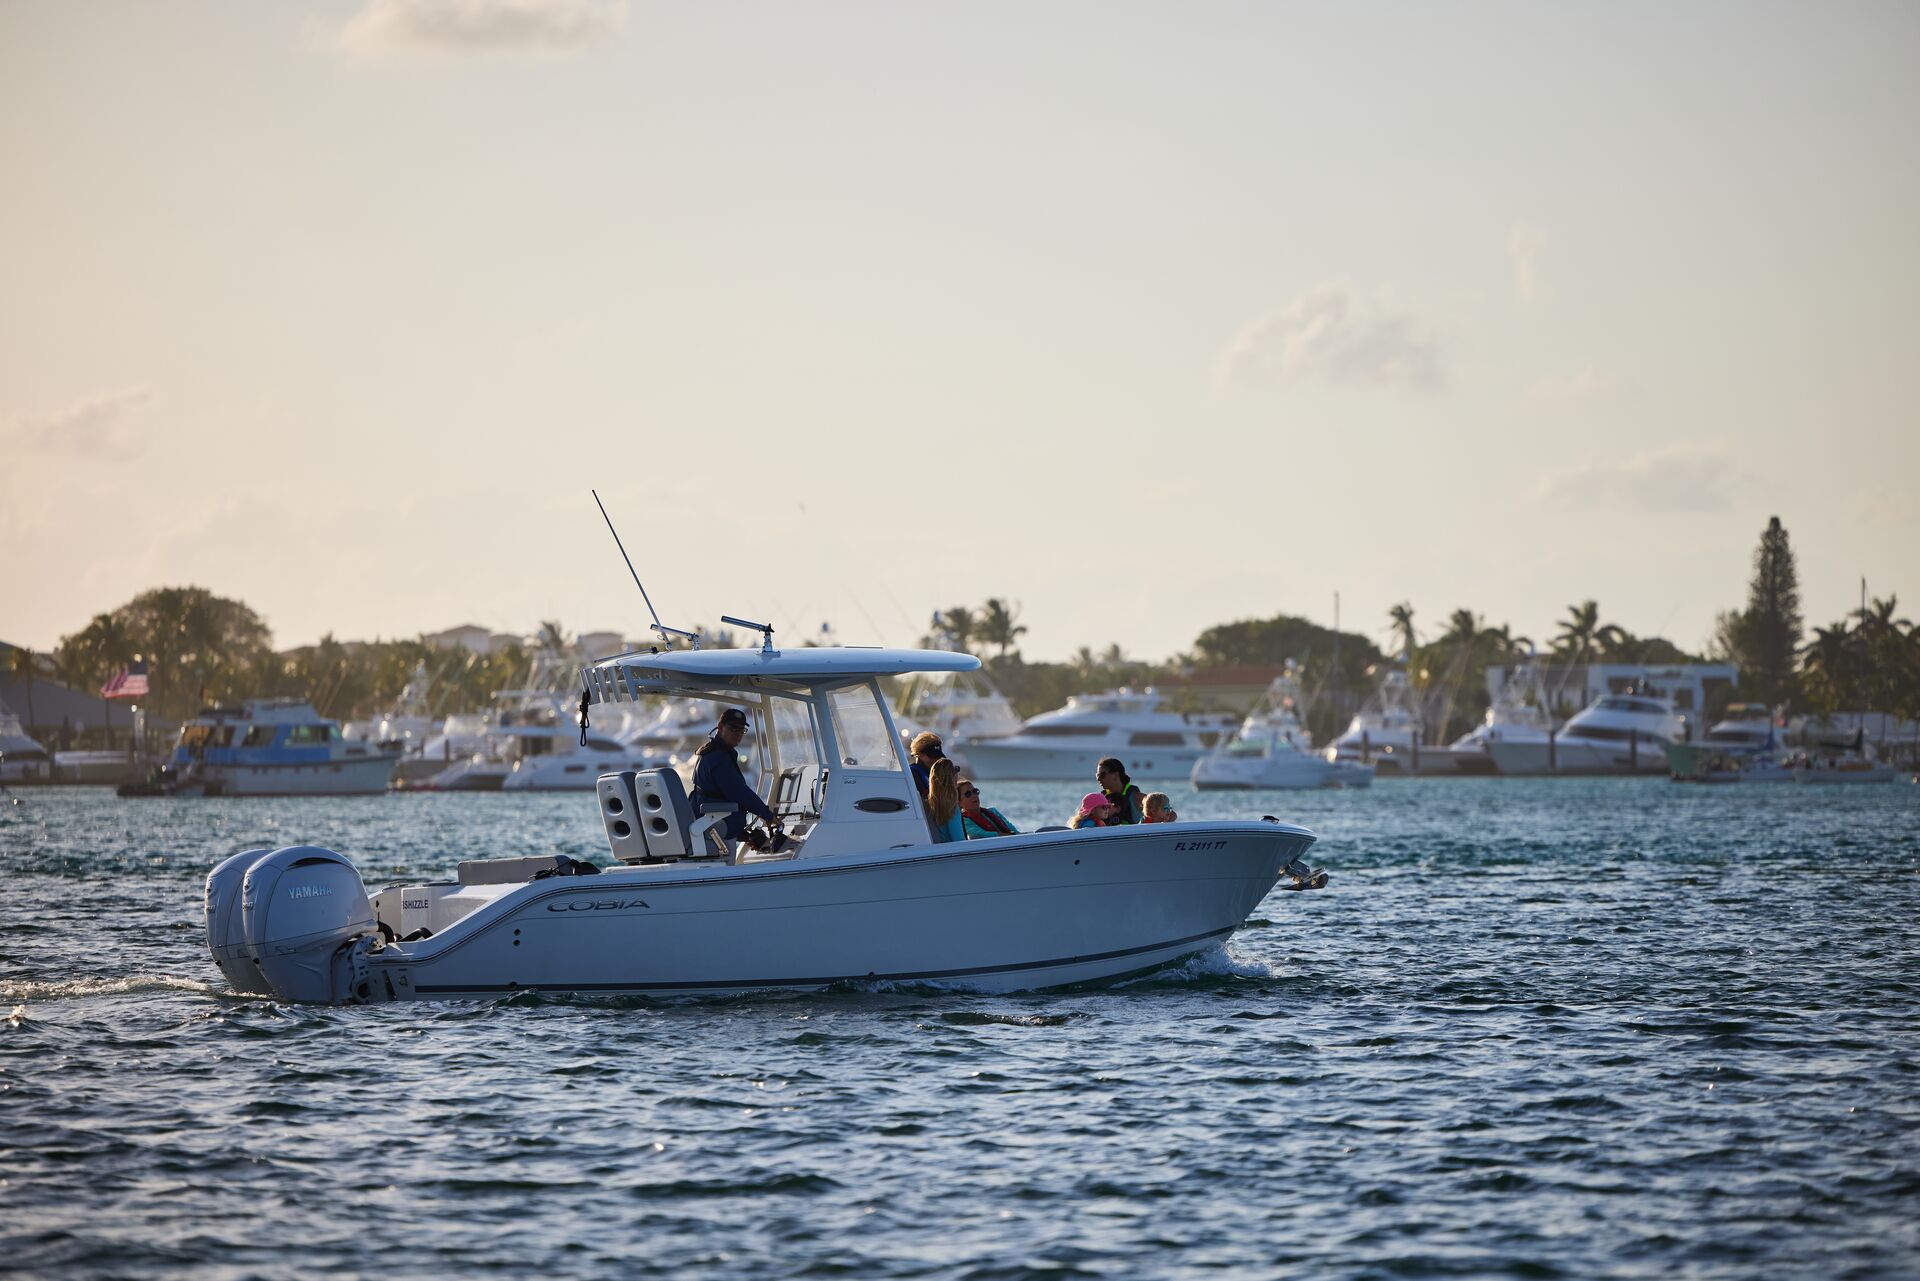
x: 300, y: 906
x: 226, y: 928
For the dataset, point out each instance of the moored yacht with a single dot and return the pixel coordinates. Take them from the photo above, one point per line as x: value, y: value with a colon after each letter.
x: 1272, y: 749
x: 1615, y: 734
x: 1135, y: 726
x: 1518, y: 715
x: 851, y: 887
x: 267, y: 747
x: 22, y: 760
x: 1388, y: 733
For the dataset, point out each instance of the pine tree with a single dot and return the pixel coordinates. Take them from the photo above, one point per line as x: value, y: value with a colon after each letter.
x: 1769, y: 630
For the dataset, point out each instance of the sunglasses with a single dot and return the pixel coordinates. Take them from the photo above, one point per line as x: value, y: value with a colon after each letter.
x: 970, y: 791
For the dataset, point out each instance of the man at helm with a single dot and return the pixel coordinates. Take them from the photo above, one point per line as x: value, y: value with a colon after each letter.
x: 717, y: 779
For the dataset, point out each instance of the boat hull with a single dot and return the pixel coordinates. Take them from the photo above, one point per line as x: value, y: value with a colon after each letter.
x: 1041, y: 910
x: 997, y: 762
x: 1294, y: 772
x: 1576, y: 756
x: 359, y: 776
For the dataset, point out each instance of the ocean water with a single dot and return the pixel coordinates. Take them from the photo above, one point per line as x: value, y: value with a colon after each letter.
x: 1533, y: 1028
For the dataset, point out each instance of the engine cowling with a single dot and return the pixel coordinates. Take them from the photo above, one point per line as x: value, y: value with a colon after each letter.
x: 226, y: 926
x: 299, y: 907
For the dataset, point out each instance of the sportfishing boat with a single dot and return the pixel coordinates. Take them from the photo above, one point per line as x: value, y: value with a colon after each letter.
x: 1518, y: 715
x: 1133, y: 726
x: 1387, y: 734
x: 267, y: 747
x: 1615, y: 734
x: 960, y: 709
x: 851, y: 888
x: 1272, y: 749
x: 22, y: 760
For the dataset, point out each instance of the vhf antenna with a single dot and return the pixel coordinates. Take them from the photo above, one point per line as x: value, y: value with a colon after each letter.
x: 666, y: 633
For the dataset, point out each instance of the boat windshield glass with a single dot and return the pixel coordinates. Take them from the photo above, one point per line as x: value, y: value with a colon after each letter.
x: 861, y: 727
x: 792, y: 724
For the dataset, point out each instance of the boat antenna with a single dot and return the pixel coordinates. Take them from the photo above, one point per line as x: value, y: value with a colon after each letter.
x: 666, y: 633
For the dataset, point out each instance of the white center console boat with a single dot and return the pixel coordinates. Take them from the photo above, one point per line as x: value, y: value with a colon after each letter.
x: 853, y: 889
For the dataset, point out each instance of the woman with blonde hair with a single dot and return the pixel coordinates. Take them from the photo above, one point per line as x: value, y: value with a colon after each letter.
x: 943, y: 802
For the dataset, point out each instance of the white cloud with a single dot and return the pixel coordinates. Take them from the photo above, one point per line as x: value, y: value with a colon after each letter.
x: 1584, y: 383
x: 1685, y: 477
x: 1331, y: 335
x: 96, y: 424
x: 481, y: 27
x: 1525, y: 246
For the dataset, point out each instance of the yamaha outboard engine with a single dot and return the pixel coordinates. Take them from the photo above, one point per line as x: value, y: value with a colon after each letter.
x: 226, y: 929
x: 300, y: 907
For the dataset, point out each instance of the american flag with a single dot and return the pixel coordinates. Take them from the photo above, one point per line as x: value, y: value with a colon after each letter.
x: 130, y: 683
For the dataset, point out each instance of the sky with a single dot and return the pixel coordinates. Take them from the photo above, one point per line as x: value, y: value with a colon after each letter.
x: 1143, y: 316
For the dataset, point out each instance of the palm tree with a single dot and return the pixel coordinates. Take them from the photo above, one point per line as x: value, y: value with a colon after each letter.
x: 960, y: 625
x: 1402, y: 623
x: 1831, y: 663
x: 999, y: 625
x: 1580, y: 630
x: 1463, y: 627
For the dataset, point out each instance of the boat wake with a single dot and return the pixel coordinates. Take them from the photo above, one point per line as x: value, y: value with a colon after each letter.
x: 1212, y: 967
x: 24, y: 990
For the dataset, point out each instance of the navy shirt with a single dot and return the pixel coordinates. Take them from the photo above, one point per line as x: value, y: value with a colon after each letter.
x: 717, y: 779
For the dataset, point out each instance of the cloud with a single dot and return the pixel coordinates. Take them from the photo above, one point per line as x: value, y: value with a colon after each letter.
x: 481, y: 27
x: 96, y: 424
x: 1584, y: 383
x: 1331, y: 335
x: 1683, y: 478
x: 1525, y: 246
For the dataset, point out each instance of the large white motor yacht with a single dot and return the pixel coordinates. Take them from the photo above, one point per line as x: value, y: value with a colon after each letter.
x: 1272, y: 749
x: 1615, y: 734
x: 1133, y: 726
x: 267, y: 747
x: 853, y: 888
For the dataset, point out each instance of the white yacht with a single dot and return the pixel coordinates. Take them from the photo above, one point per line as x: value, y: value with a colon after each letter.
x: 21, y: 759
x: 1272, y: 749
x: 267, y: 747
x: 959, y: 708
x: 852, y: 888
x: 406, y: 726
x: 1518, y: 715
x: 1134, y: 726
x: 1383, y: 733
x: 1615, y: 734
x: 538, y: 760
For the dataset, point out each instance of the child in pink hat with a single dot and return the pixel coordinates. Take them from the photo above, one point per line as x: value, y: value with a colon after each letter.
x: 1095, y: 811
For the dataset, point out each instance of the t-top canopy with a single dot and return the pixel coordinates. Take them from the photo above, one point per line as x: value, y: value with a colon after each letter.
x: 632, y: 676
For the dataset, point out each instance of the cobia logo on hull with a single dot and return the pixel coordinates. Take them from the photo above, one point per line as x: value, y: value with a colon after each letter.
x: 599, y: 905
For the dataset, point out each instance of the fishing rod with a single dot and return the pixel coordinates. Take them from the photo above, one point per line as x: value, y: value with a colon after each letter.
x: 666, y: 633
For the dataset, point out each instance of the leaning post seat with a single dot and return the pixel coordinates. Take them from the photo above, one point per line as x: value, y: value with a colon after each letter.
x: 649, y: 817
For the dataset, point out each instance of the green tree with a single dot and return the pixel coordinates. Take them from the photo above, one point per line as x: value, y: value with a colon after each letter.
x: 1580, y: 631
x: 1767, y: 636
x: 1401, y: 617
x: 999, y: 625
x: 961, y: 627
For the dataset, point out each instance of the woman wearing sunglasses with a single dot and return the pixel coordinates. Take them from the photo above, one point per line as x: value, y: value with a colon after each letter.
x: 977, y: 819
